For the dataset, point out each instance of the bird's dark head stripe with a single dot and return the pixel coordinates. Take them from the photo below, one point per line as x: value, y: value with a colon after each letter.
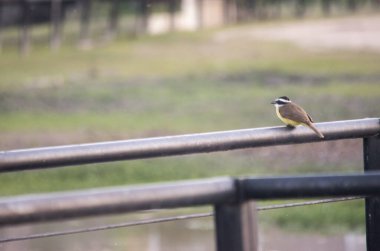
x: 282, y: 100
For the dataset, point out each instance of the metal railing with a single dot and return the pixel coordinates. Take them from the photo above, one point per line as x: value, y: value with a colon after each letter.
x: 183, y: 144
x: 232, y: 198
x: 168, y: 219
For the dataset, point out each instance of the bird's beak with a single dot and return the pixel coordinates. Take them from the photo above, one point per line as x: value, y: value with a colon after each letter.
x: 273, y: 102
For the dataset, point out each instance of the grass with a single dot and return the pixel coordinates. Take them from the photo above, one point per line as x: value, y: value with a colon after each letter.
x: 332, y: 218
x: 130, y: 108
x: 162, y: 56
x: 183, y: 83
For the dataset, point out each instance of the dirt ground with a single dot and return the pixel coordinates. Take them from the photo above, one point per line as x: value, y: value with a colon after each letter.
x: 352, y: 33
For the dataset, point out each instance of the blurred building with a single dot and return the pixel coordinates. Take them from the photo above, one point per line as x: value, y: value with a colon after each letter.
x: 191, y: 15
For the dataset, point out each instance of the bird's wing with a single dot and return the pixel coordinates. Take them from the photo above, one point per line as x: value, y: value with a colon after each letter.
x: 294, y: 112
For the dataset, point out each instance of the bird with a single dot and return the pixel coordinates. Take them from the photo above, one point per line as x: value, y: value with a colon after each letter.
x: 293, y: 115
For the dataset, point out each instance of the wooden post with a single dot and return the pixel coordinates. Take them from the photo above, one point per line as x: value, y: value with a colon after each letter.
x: 300, y: 8
x: 230, y: 11
x: 25, y: 25
x: 352, y: 5
x: 1, y: 25
x: 236, y: 227
x: 230, y: 8
x: 326, y: 7
x: 244, y: 10
x: 85, y: 9
x: 375, y: 3
x: 276, y: 9
x: 142, y: 17
x: 171, y: 10
x: 200, y: 13
x: 56, y: 24
x: 113, y: 26
x: 371, y: 148
x: 262, y: 10
x: 226, y: 11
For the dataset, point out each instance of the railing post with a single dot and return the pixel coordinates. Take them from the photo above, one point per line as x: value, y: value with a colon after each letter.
x: 236, y: 227
x: 371, y: 147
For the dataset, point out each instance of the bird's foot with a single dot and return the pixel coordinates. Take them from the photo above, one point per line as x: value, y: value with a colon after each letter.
x: 290, y: 126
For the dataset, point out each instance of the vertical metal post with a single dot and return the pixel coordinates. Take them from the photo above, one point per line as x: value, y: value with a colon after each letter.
x: 236, y: 227
x: 372, y: 204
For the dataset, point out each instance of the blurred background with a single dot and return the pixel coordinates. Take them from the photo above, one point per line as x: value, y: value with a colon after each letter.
x: 78, y: 71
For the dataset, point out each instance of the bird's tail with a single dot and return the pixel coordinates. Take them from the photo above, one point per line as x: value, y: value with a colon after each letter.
x: 312, y: 127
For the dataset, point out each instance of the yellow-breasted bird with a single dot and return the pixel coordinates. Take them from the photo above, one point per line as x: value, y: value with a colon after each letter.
x: 293, y: 115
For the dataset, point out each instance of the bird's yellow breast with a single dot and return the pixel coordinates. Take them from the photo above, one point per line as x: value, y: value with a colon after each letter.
x: 285, y: 120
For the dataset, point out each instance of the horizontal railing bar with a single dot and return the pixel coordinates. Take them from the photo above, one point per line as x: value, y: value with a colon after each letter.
x: 62, y: 205
x: 167, y: 219
x: 34, y: 158
x: 55, y: 206
x: 367, y: 184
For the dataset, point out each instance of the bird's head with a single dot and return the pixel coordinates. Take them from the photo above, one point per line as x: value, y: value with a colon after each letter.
x: 281, y: 101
